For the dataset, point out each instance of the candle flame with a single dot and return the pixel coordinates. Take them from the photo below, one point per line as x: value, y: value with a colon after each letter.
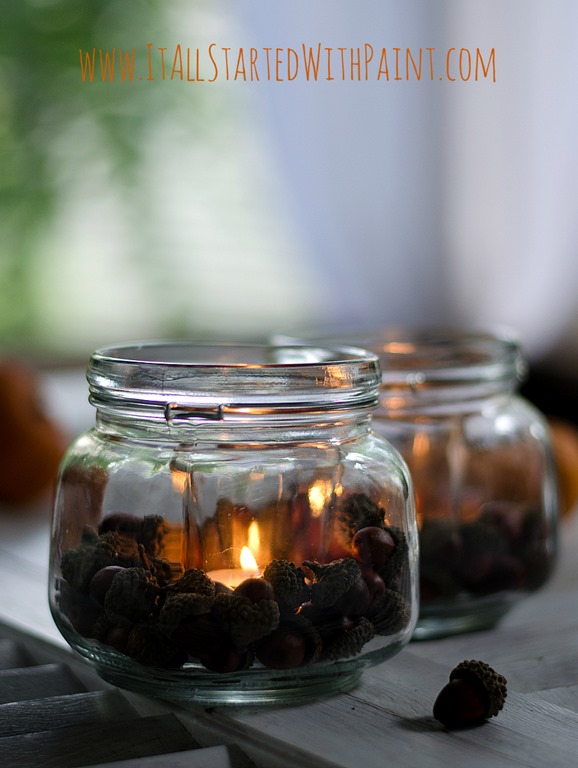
x: 421, y: 444
x: 247, y: 560
x: 319, y: 495
x: 178, y: 480
x: 399, y: 347
x: 253, y: 540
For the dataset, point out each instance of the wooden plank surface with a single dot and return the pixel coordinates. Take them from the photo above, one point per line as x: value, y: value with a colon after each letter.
x: 82, y: 745
x: 37, y: 682
x: 209, y: 757
x: 32, y: 716
x: 13, y: 654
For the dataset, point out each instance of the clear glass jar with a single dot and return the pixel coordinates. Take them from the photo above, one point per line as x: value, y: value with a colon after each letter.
x: 232, y: 531
x: 482, y: 469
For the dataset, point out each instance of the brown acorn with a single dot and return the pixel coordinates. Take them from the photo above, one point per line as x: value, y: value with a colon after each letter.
x: 372, y: 545
x: 284, y: 648
x: 255, y: 589
x: 474, y: 693
x: 101, y: 581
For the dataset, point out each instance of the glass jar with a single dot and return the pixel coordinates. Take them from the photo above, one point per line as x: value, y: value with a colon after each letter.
x: 232, y: 531
x: 482, y: 468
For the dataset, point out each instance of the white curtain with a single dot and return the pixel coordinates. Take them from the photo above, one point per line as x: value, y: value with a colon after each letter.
x: 511, y: 153
x: 362, y: 158
x: 435, y: 202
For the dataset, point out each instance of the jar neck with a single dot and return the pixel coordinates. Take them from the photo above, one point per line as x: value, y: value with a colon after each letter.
x: 227, y: 393
x: 307, y: 429
x: 427, y: 375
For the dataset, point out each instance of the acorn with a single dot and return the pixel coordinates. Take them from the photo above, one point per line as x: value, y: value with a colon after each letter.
x: 255, y: 589
x: 374, y: 582
x: 101, y: 581
x: 150, y: 645
x: 294, y: 643
x: 372, y: 545
x: 284, y: 648
x: 328, y: 625
x: 474, y: 693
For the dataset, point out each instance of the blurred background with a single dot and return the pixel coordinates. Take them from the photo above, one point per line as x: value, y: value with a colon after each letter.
x: 238, y: 209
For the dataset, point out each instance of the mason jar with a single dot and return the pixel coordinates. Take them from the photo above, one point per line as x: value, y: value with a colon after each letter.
x: 231, y: 531
x: 482, y: 468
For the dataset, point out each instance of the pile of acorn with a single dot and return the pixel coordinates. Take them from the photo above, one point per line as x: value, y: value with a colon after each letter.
x: 117, y: 589
x: 504, y: 548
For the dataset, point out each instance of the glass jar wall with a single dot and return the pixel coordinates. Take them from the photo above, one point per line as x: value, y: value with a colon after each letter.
x: 483, y: 473
x: 232, y: 531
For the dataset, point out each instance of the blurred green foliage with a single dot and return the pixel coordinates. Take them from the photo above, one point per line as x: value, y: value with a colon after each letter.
x: 42, y: 97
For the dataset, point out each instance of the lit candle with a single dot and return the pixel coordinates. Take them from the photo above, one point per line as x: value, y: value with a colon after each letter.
x: 232, y: 577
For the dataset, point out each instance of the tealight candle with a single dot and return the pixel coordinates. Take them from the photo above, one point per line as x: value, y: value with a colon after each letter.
x: 232, y: 577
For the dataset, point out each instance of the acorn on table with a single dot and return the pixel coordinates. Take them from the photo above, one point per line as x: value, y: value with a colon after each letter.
x: 475, y: 693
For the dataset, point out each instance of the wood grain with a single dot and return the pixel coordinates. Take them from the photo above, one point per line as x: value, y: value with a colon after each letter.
x: 37, y: 682
x: 32, y: 716
x: 209, y: 757
x: 77, y: 746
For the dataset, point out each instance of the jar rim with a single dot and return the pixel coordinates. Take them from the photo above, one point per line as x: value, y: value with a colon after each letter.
x: 437, y: 354
x: 447, y: 355
x: 206, y: 380
x: 312, y: 354
x: 439, y: 370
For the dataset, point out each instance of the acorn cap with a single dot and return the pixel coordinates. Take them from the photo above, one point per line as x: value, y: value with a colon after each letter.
x: 332, y: 580
x: 350, y: 642
x: 392, y: 614
x: 288, y: 582
x: 486, y: 680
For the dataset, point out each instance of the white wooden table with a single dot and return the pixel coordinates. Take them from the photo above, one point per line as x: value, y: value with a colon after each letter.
x: 384, y: 723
